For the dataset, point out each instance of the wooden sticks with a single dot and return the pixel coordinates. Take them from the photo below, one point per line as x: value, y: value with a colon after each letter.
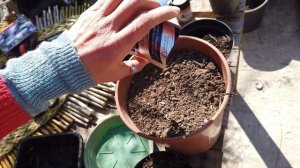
x: 53, y: 15
x: 101, y: 92
x: 78, y: 107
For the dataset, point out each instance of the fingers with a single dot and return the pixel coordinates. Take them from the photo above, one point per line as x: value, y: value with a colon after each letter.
x: 129, y: 9
x: 109, y: 6
x: 134, y: 65
x: 140, y: 26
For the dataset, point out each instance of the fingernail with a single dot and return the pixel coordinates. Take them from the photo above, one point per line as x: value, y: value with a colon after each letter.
x: 142, y: 58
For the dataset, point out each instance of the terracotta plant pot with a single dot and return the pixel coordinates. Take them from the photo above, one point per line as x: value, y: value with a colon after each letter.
x: 253, y: 17
x: 203, y: 138
x: 224, y: 7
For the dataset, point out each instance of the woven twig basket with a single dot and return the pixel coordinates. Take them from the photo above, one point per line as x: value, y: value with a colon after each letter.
x: 56, y: 29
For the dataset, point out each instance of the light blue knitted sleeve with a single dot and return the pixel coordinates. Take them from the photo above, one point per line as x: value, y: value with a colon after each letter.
x: 46, y: 73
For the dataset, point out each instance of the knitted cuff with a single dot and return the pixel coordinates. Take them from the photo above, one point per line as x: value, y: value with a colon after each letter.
x: 46, y: 73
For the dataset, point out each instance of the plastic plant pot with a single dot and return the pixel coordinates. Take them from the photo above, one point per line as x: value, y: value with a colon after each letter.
x: 254, y: 16
x: 51, y: 151
x: 164, y: 158
x: 112, y: 144
x: 203, y: 138
x: 202, y: 27
x: 224, y: 7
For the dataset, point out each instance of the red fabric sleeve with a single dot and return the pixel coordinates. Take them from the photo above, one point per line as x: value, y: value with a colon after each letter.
x: 11, y: 114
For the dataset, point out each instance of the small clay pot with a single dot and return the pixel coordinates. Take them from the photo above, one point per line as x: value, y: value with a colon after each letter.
x: 203, y: 138
x: 253, y: 17
x: 224, y: 7
x: 159, y: 158
x: 199, y: 28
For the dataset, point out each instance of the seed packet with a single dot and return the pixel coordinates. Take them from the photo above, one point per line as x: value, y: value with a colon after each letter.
x: 157, y: 45
x: 15, y: 33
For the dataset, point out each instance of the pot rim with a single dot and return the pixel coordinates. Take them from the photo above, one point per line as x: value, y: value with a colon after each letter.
x: 221, y: 108
x: 258, y: 7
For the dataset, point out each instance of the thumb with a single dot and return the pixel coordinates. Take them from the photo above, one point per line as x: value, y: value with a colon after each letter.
x: 133, y: 65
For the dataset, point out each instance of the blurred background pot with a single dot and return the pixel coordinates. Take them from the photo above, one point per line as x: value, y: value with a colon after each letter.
x: 202, y: 139
x: 254, y: 13
x: 224, y: 7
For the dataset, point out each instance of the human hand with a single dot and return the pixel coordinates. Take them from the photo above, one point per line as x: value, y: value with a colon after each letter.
x: 106, y: 32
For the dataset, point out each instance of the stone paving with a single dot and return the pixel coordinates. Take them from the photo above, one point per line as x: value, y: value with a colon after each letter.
x: 263, y: 128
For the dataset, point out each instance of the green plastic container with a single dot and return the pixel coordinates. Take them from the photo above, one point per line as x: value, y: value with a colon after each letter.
x: 113, y: 145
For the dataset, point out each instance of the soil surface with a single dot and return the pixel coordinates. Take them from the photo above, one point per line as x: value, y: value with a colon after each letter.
x: 164, y: 161
x: 178, y: 100
x: 221, y: 42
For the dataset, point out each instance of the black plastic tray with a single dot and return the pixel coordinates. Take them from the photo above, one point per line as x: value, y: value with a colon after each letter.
x: 51, y: 151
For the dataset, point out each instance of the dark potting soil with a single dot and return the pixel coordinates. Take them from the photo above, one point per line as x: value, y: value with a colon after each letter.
x: 221, y: 42
x: 177, y: 100
x: 164, y: 161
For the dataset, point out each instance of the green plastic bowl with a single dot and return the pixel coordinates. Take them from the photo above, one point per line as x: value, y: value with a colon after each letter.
x: 113, y: 145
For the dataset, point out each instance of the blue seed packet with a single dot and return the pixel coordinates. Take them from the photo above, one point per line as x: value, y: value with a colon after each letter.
x: 16, y: 33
